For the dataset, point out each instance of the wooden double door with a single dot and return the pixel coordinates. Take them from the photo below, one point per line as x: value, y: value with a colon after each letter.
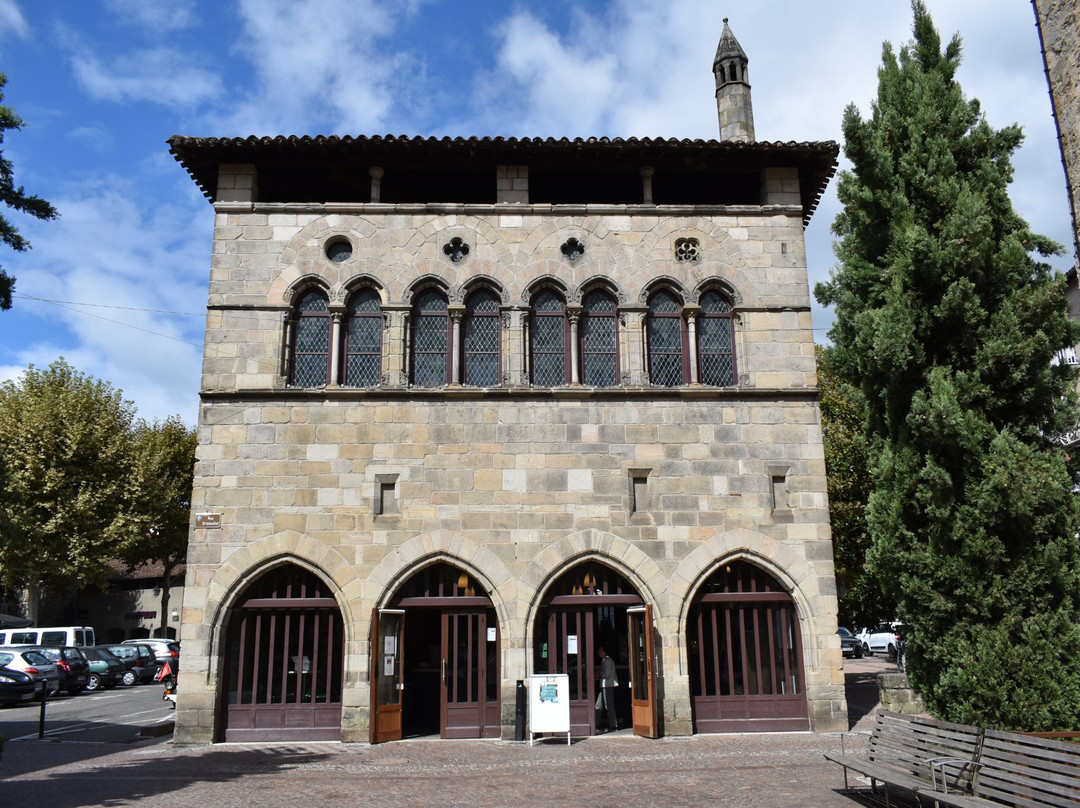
x: 284, y: 653
x: 435, y: 671
x: 574, y: 633
x: 745, y: 655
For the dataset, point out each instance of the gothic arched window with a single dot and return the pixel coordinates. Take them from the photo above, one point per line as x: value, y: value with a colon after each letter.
x: 549, y: 337
x: 480, y: 339
x: 599, y: 340
x: 363, y: 339
x: 665, y: 330
x: 310, y: 365
x: 716, y: 341
x: 430, y: 340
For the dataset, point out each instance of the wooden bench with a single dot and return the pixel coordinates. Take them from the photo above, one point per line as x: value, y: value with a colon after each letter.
x: 908, y: 752
x: 1019, y: 770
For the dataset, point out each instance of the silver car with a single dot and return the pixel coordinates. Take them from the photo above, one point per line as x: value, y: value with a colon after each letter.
x: 34, y: 664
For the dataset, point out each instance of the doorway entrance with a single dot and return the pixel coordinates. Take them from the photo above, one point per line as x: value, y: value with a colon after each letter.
x: 284, y: 650
x: 586, y: 608
x: 745, y: 654
x: 435, y: 660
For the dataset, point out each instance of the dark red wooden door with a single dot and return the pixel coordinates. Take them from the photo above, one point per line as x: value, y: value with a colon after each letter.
x: 283, y: 678
x: 746, y: 666
x: 469, y: 701
x: 571, y: 650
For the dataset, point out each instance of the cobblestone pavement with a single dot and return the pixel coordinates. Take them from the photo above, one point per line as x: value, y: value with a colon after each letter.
x: 617, y: 769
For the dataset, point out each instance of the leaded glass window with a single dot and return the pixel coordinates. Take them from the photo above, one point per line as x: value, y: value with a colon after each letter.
x: 549, y: 335
x: 430, y: 340
x: 480, y: 340
x: 363, y: 340
x: 599, y: 340
x: 716, y: 341
x: 665, y: 331
x: 311, y: 341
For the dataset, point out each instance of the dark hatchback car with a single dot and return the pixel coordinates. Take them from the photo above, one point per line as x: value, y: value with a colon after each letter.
x: 140, y: 664
x: 850, y: 645
x: 73, y: 664
x: 105, y: 669
x: 15, y: 687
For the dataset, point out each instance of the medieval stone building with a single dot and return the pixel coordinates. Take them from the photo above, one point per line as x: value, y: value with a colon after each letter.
x: 474, y: 407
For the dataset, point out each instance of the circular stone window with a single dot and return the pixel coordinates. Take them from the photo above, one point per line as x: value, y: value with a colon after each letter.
x: 339, y: 250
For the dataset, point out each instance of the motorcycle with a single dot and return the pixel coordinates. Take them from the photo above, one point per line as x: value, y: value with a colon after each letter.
x: 167, y: 676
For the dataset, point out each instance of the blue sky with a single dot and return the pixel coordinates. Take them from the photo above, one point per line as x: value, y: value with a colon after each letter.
x: 118, y: 284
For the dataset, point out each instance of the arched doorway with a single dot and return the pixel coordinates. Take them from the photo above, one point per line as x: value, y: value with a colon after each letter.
x: 435, y: 659
x: 745, y: 654
x: 590, y: 606
x: 284, y: 650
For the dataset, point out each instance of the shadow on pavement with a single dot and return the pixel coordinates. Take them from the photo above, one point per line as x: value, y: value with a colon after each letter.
x: 132, y: 781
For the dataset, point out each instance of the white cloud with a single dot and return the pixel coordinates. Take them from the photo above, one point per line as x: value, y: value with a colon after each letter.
x: 11, y: 19
x: 318, y: 66
x: 143, y: 267
x: 156, y: 16
x: 162, y: 75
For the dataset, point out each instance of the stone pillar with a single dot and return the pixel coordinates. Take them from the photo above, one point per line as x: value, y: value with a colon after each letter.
x: 691, y: 327
x: 457, y: 314
x: 237, y: 182
x: 337, y: 372
x: 632, y: 349
x: 574, y: 316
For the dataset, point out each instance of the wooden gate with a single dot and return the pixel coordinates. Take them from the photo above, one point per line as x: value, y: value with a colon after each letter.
x: 745, y: 655
x: 283, y: 672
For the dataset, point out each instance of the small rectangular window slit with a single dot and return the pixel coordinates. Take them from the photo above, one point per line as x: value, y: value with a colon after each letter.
x: 385, y: 501
x: 780, y: 493
x: 639, y: 490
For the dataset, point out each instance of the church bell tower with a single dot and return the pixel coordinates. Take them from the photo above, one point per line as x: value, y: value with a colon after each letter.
x: 733, y: 89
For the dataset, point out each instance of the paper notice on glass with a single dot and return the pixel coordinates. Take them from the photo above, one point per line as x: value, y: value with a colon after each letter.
x: 571, y: 644
x: 388, y: 665
x: 390, y: 644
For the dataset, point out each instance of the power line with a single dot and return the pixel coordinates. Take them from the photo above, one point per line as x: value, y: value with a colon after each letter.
x: 109, y: 306
x: 70, y: 307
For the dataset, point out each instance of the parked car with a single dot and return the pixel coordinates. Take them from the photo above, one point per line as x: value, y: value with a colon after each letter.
x: 105, y: 668
x: 880, y: 639
x: 34, y: 664
x: 15, y: 686
x: 140, y: 665
x: 164, y: 650
x: 74, y: 667
x: 850, y: 645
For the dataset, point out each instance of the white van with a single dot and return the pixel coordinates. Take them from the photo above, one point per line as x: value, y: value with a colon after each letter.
x: 52, y: 635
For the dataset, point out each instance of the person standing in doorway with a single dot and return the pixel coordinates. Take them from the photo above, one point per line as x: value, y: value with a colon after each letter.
x: 608, y: 682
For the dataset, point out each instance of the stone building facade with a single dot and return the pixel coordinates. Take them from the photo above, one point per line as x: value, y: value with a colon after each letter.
x: 472, y: 408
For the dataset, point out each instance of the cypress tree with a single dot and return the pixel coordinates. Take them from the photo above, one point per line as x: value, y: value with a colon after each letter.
x: 949, y: 322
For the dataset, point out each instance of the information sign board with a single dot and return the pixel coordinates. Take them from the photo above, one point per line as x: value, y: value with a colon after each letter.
x: 549, y: 705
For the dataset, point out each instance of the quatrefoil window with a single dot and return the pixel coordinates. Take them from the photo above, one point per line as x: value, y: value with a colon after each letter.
x: 573, y: 249
x: 456, y: 249
x: 687, y: 250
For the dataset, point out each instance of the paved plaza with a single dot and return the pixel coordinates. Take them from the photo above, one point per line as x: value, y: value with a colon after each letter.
x: 616, y: 770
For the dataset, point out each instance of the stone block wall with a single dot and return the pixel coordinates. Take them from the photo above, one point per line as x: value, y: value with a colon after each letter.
x: 511, y: 484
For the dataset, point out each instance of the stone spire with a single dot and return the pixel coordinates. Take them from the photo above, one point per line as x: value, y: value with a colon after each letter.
x: 733, y: 89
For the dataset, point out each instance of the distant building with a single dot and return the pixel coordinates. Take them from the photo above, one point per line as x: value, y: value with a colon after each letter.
x: 473, y: 407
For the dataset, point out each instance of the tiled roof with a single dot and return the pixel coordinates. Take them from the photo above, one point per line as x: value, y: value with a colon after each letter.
x: 202, y: 156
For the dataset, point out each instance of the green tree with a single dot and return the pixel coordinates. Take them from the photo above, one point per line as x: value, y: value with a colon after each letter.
x: 843, y: 414
x: 15, y: 198
x: 158, y: 498
x: 65, y: 439
x: 949, y: 322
